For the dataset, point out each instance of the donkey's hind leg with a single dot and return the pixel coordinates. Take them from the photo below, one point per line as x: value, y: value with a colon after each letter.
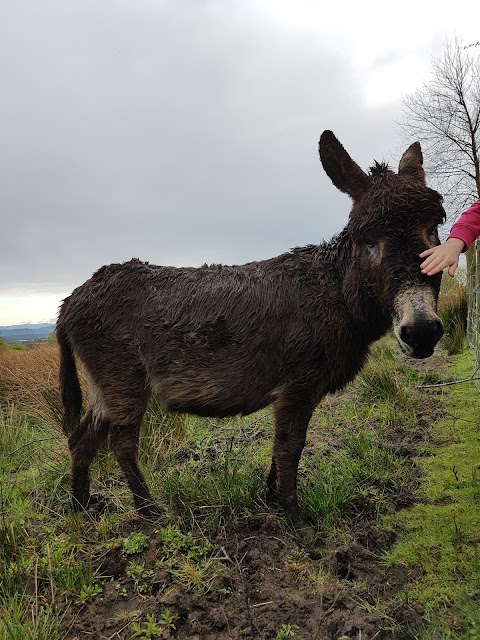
x: 123, y: 399
x: 124, y: 442
x: 84, y: 443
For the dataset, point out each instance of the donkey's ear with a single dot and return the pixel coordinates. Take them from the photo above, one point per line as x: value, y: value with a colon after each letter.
x: 345, y: 174
x: 411, y: 163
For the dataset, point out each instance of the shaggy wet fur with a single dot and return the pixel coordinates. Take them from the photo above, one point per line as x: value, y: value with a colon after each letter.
x: 225, y: 340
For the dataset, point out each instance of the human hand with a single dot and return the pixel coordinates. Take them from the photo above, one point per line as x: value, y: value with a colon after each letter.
x: 444, y: 255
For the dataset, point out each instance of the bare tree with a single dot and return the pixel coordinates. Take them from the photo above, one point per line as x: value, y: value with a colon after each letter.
x: 444, y: 115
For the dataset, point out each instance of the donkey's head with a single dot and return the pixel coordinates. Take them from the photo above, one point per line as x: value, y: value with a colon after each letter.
x: 394, y: 218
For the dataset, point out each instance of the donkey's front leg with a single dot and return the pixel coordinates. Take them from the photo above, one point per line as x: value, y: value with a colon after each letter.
x: 291, y: 422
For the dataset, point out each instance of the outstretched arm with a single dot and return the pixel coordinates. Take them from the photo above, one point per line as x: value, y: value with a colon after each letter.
x: 445, y: 255
x: 465, y: 231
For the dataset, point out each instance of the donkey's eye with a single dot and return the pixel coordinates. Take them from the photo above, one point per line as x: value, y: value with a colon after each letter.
x: 372, y: 249
x: 433, y: 235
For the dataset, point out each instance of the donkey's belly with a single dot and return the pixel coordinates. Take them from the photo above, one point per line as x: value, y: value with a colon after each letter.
x: 217, y: 410
x: 203, y: 394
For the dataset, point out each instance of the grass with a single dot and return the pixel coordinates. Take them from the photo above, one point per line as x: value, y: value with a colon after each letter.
x: 361, y: 474
x: 453, y: 311
x: 442, y: 532
x: 29, y: 379
x: 22, y: 619
x: 209, y: 477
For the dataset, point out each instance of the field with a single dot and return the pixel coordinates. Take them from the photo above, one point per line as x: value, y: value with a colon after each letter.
x: 390, y: 479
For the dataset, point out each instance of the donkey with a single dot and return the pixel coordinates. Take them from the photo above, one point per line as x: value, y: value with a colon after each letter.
x: 225, y: 340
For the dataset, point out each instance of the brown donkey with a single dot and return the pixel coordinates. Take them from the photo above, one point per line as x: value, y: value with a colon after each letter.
x: 225, y: 340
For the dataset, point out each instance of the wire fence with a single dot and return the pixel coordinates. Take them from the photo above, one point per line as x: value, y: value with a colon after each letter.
x: 473, y: 297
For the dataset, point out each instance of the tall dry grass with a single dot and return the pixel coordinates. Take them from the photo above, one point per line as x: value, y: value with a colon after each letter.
x: 453, y: 311
x: 29, y: 380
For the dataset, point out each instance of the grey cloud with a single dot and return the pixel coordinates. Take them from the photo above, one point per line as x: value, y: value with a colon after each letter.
x: 176, y: 132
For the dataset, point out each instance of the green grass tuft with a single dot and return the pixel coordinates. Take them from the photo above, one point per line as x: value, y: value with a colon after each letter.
x: 362, y: 475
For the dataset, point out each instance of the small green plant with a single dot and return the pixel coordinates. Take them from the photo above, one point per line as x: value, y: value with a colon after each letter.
x: 192, y: 576
x: 89, y: 592
x: 147, y: 629
x: 140, y: 576
x: 367, y: 606
x: 135, y: 543
x: 174, y: 542
x: 288, y: 631
x: 167, y: 619
x: 150, y: 628
x: 297, y: 561
x: 122, y: 590
x: 185, y: 559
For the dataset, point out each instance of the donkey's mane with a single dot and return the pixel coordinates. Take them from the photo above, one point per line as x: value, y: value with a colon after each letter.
x: 379, y: 169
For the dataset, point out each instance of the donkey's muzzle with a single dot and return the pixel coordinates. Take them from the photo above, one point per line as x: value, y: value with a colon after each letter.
x: 418, y: 339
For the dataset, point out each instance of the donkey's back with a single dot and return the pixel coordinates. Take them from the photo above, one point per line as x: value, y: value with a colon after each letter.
x: 214, y: 341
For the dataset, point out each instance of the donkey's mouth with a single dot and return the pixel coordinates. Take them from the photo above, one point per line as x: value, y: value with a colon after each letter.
x: 416, y: 351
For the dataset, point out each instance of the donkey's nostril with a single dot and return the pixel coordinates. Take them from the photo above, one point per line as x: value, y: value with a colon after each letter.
x: 406, y: 333
x: 422, y: 332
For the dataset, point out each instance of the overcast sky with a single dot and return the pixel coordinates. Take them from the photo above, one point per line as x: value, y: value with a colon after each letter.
x: 186, y: 131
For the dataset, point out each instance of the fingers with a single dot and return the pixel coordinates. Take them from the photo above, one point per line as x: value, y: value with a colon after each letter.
x: 442, y: 256
x: 426, y: 263
x: 435, y: 267
x: 452, y: 269
x: 428, y: 252
x: 433, y: 264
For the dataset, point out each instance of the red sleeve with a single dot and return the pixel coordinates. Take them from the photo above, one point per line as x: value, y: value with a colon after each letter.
x: 467, y: 227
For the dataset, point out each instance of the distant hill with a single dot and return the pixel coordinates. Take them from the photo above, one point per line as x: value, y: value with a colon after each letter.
x: 21, y: 332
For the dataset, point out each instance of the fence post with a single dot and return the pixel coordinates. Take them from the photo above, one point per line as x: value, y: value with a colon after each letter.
x: 472, y: 296
x: 476, y: 318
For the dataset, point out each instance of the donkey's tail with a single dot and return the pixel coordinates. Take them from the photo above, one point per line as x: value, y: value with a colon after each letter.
x: 70, y: 390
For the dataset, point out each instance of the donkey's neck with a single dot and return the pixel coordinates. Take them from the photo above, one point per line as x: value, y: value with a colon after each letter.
x: 338, y: 252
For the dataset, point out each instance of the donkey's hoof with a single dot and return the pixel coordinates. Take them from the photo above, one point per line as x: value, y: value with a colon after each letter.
x: 80, y: 505
x: 95, y: 502
x: 98, y: 503
x: 150, y: 511
x: 297, y: 518
x: 292, y: 512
